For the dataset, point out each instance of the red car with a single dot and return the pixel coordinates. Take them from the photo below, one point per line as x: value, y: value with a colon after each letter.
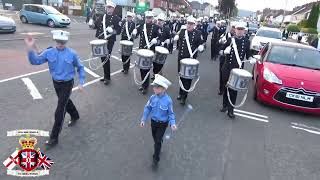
x: 288, y: 75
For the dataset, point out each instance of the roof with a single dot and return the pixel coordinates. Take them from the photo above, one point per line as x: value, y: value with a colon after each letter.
x: 292, y: 44
x: 39, y: 5
x: 270, y: 29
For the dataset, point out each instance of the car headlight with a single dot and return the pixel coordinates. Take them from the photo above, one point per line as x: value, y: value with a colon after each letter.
x: 271, y: 77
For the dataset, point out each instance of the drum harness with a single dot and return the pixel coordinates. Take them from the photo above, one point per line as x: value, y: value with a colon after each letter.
x: 129, y: 37
x: 191, y: 56
x: 96, y: 67
x: 236, y: 52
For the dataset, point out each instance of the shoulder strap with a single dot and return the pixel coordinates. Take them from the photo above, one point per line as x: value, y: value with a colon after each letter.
x: 127, y: 30
x: 234, y: 45
x: 188, y: 43
x: 146, y: 35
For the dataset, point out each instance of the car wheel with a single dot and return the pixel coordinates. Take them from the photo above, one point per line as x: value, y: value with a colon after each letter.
x: 50, y: 23
x: 23, y: 19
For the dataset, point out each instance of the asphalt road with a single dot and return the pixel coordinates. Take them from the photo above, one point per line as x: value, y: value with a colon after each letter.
x: 107, y: 142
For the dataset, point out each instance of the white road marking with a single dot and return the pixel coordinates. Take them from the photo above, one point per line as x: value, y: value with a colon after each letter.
x: 307, y: 130
x: 32, y: 88
x: 305, y: 126
x: 32, y: 33
x: 75, y: 21
x: 251, y: 117
x: 91, y: 72
x: 135, y: 48
x: 250, y: 113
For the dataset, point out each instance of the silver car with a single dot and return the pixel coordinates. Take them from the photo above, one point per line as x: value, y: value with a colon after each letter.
x: 7, y: 25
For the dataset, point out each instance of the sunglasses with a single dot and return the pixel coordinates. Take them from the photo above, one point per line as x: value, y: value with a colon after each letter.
x: 149, y: 17
x: 190, y: 23
x: 61, y: 42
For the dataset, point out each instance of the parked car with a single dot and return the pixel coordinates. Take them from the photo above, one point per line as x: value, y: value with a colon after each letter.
x: 42, y: 14
x: 263, y: 36
x: 253, y: 28
x: 7, y: 25
x: 287, y: 75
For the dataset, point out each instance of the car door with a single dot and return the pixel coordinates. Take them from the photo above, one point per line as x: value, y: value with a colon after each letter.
x: 42, y: 15
x: 32, y: 13
x: 27, y: 11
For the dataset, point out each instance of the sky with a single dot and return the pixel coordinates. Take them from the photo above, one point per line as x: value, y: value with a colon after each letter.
x: 254, y: 5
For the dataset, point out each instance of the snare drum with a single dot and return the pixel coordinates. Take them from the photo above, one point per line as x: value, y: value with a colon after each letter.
x: 99, y: 48
x: 144, y: 58
x: 126, y: 47
x: 161, y: 55
x: 239, y: 79
x: 189, y: 68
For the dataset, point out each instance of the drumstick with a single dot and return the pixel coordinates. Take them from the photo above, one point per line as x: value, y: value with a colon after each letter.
x: 186, y: 111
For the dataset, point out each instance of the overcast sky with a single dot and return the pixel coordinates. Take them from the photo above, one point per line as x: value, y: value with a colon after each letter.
x: 255, y: 5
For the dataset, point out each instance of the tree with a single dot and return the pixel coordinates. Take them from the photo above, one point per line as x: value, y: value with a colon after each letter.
x: 226, y: 6
x: 313, y: 17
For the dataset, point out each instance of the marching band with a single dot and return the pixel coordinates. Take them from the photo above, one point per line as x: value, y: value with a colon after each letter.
x: 157, y: 38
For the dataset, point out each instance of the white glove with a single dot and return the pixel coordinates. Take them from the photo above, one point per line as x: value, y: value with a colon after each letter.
x: 200, y: 48
x: 154, y: 41
x: 183, y: 27
x: 134, y: 32
x: 221, y: 52
x: 167, y: 41
x: 227, y: 50
x: 176, y: 38
x: 252, y: 60
x: 109, y: 30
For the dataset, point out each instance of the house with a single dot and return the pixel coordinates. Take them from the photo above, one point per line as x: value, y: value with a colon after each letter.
x: 169, y: 7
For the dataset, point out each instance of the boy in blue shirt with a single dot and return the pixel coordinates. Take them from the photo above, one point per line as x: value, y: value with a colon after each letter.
x: 62, y: 62
x: 159, y: 107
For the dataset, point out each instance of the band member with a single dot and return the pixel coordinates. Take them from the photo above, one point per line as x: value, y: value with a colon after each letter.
x: 223, y: 27
x: 108, y: 26
x: 214, y: 41
x: 193, y: 41
x: 159, y: 107
x: 243, y: 48
x: 163, y: 40
x: 128, y: 32
x: 222, y: 42
x: 149, y: 41
x: 62, y: 62
x: 205, y: 26
x: 199, y: 26
x: 174, y: 28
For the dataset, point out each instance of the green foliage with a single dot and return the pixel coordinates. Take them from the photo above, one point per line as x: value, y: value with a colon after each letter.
x: 293, y: 28
x: 303, y: 24
x: 309, y: 30
x: 226, y: 6
x: 313, y: 17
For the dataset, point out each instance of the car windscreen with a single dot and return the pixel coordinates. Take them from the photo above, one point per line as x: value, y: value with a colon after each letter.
x: 269, y: 34
x: 51, y: 10
x: 251, y: 25
x: 295, y: 56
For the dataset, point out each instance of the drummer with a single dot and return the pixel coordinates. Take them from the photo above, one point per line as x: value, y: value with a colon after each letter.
x: 128, y: 32
x: 243, y: 46
x: 149, y: 42
x: 174, y: 28
x: 112, y: 29
x: 163, y: 40
x: 195, y: 41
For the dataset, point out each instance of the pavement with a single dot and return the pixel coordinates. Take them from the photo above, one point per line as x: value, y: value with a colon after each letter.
x: 262, y: 143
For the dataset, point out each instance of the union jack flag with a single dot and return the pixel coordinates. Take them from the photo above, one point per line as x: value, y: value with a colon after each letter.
x: 44, y: 161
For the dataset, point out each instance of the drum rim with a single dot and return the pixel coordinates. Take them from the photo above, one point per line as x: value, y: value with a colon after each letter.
x: 241, y: 72
x: 145, y: 50
x: 195, y: 61
x: 95, y: 42
x: 126, y: 41
x: 160, y: 47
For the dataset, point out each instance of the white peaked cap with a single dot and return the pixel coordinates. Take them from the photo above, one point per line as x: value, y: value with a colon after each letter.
x: 191, y: 19
x: 240, y: 25
x: 162, y: 17
x: 206, y: 17
x: 60, y: 35
x: 110, y: 3
x: 181, y: 15
x: 130, y: 14
x: 174, y: 15
x: 149, y: 14
x: 199, y: 19
x: 161, y: 81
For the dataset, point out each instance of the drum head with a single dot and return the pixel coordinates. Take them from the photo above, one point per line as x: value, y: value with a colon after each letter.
x: 189, y: 61
x: 126, y: 42
x: 98, y: 42
x: 241, y: 72
x: 162, y: 50
x: 145, y: 53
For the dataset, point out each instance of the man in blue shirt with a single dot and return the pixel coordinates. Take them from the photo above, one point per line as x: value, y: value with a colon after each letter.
x: 159, y: 107
x: 62, y: 62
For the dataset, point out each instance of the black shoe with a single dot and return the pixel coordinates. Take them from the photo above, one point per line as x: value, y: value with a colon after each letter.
x: 106, y: 81
x: 125, y: 72
x: 224, y: 109
x: 155, y: 164
x: 220, y: 93
x: 183, y: 102
x: 144, y: 91
x: 179, y: 98
x: 51, y: 143
x: 122, y: 70
x: 72, y: 122
x: 152, y: 78
x: 231, y: 115
x: 140, y: 88
x: 102, y: 80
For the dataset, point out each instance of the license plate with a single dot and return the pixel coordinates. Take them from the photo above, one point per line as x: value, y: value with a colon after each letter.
x: 299, y: 97
x: 6, y: 28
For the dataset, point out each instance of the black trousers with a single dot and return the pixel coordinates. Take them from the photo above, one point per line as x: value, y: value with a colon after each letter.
x: 63, y: 91
x: 170, y: 47
x: 214, y: 48
x: 221, y: 62
x: 157, y: 68
x: 127, y: 65
x: 186, y: 84
x: 205, y: 37
x: 158, y: 129
x: 143, y: 73
x: 106, y: 66
x: 233, y: 98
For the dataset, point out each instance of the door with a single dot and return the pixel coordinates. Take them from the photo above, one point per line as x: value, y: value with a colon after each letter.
x: 42, y: 15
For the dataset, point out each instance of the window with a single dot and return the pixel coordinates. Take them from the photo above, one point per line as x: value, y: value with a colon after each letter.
x: 264, y: 51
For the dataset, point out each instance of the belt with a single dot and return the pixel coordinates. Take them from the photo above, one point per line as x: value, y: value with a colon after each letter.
x: 62, y: 81
x: 158, y: 121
